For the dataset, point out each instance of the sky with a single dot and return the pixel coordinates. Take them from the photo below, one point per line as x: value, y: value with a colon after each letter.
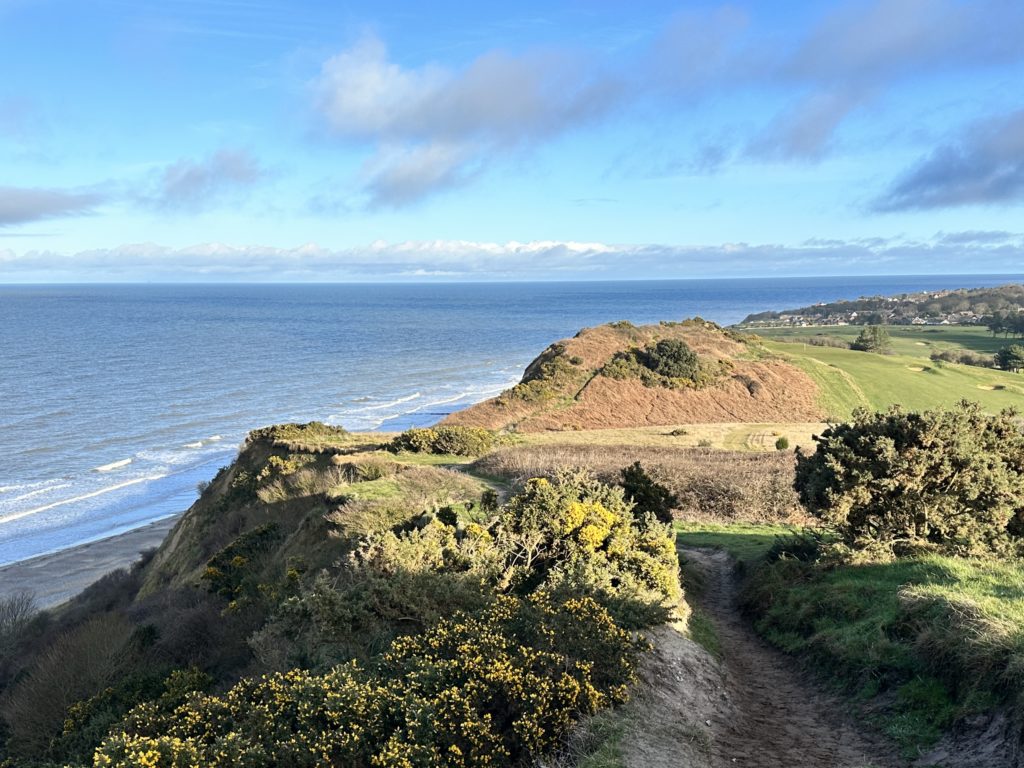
x: 252, y: 140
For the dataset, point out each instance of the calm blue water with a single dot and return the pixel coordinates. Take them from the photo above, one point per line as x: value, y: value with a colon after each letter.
x: 116, y: 400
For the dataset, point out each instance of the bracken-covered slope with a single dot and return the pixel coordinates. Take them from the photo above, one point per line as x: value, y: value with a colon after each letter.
x: 580, y: 383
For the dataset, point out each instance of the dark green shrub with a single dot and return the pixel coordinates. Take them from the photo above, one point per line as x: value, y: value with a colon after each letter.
x: 648, y: 495
x: 489, y: 501
x: 951, y: 481
x: 456, y: 440
x: 669, y: 363
x: 672, y: 358
x: 782, y: 444
x: 227, y: 570
x: 964, y: 357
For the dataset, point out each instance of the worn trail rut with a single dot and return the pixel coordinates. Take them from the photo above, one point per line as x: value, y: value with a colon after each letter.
x: 752, y: 708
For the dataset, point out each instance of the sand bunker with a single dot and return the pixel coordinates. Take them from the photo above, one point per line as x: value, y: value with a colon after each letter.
x: 915, y: 368
x: 991, y: 387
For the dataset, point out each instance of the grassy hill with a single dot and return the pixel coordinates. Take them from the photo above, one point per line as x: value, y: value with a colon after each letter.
x: 598, y: 380
x: 771, y: 380
x: 848, y: 379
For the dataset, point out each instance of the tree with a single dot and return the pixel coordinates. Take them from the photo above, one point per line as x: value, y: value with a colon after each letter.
x: 1011, y: 358
x: 951, y: 481
x: 996, y: 323
x: 874, y: 338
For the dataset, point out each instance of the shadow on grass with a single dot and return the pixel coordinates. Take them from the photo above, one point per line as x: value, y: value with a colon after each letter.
x: 746, y: 542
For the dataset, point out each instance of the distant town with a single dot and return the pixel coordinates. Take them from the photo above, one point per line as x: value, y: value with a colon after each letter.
x: 1000, y: 308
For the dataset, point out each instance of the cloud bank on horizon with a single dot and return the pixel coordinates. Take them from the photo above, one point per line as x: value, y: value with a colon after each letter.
x: 518, y: 142
x: 978, y: 252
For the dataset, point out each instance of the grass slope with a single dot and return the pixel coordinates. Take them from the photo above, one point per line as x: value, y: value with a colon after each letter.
x: 920, y: 641
x: 940, y: 637
x: 849, y: 379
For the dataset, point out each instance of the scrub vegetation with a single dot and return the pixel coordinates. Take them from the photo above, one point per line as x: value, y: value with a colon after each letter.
x: 321, y: 604
x: 475, y: 594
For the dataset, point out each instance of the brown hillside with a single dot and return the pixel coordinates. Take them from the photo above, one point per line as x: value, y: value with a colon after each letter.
x: 565, y: 389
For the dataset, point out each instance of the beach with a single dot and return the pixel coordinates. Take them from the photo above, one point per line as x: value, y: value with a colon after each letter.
x: 59, y: 576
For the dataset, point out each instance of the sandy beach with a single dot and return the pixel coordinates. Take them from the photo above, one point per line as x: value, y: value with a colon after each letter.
x: 57, y: 577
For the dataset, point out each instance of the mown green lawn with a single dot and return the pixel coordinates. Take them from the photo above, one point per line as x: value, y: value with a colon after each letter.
x: 912, y: 340
x: 849, y: 379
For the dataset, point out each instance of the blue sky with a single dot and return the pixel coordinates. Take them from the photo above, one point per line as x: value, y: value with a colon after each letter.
x: 251, y: 140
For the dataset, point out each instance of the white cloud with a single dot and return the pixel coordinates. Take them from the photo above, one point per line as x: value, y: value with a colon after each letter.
x: 469, y: 260
x: 433, y: 127
x: 192, y: 185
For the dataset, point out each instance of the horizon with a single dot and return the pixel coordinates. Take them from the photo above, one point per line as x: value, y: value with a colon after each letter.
x: 1012, y: 277
x: 190, y: 142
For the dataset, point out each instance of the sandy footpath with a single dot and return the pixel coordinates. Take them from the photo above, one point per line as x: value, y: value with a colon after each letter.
x: 58, y: 576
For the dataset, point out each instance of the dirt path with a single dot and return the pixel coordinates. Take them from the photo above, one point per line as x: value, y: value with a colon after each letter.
x: 769, y: 714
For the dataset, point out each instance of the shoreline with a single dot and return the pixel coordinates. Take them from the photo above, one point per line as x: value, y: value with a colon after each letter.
x: 57, y: 577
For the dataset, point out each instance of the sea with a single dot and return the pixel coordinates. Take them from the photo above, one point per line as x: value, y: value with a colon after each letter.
x: 117, y: 400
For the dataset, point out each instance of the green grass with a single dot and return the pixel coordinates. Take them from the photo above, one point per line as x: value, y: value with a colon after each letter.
x: 911, y: 340
x: 382, y: 488
x: 746, y: 542
x: 431, y: 459
x: 848, y: 379
x: 703, y: 632
x: 940, y: 637
x: 604, y: 732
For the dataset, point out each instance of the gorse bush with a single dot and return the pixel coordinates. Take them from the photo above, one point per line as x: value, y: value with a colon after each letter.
x: 964, y: 357
x: 578, y: 535
x: 648, y: 495
x: 672, y: 358
x: 227, y: 570
x: 950, y: 481
x: 456, y: 440
x: 489, y: 690
x: 452, y: 641
x: 668, y: 363
x: 710, y: 485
